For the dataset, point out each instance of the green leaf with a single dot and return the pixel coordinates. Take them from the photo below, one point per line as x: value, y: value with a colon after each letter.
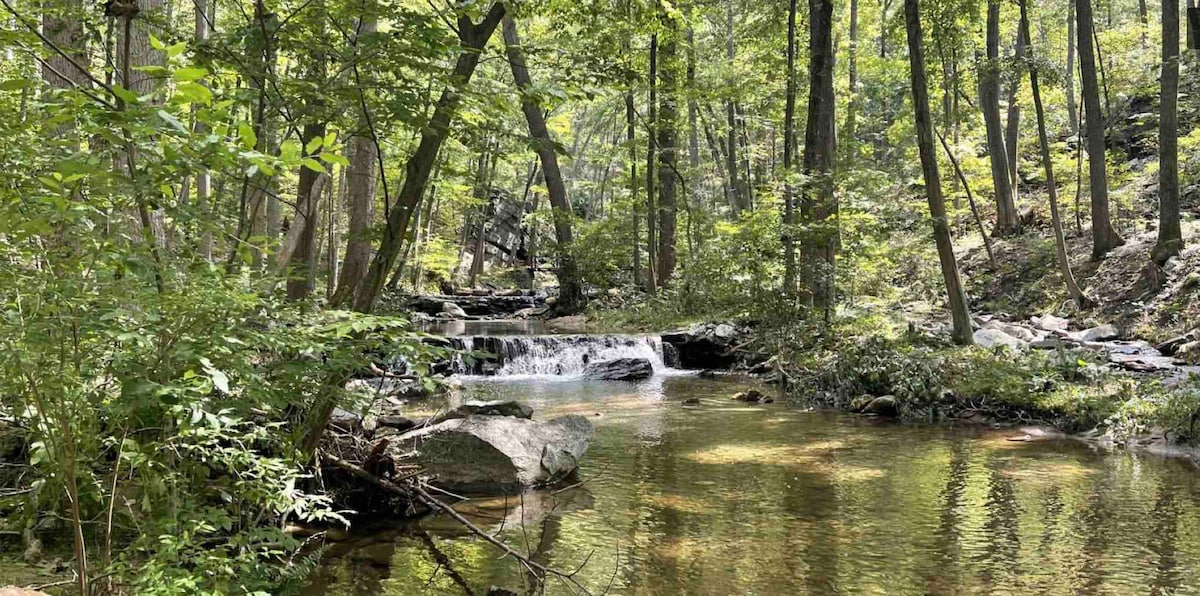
x: 125, y: 95
x: 176, y: 49
x: 193, y: 93
x: 189, y: 74
x: 247, y: 136
x: 172, y: 121
x: 333, y: 158
x: 14, y: 84
x: 156, y: 43
x: 313, y: 144
x: 313, y: 165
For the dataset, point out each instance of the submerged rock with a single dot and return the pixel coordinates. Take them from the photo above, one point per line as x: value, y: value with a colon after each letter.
x: 621, y: 369
x: 487, y: 408
x: 498, y: 454
x: 882, y: 406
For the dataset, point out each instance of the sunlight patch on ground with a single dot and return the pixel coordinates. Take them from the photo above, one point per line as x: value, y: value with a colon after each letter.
x: 679, y: 503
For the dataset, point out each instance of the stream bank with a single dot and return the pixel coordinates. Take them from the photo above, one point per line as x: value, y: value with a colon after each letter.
x: 685, y: 490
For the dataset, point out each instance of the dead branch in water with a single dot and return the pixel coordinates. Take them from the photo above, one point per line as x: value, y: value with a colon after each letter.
x: 414, y: 491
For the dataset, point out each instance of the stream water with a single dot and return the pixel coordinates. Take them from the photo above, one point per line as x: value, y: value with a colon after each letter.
x: 724, y: 498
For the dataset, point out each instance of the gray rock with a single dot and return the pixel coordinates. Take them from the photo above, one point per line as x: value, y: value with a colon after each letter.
x: 453, y: 310
x: 1053, y: 343
x: 498, y: 454
x: 882, y: 406
x: 1100, y: 333
x: 490, y: 408
x: 1050, y: 323
x: 1022, y: 333
x: 1171, y: 346
x: 621, y: 369
x: 991, y: 338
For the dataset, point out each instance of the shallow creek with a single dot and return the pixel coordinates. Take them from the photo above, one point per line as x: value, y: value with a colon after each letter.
x: 724, y: 498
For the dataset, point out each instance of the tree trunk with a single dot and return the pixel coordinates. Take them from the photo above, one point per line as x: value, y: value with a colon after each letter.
x: 360, y: 196
x: 667, y: 156
x: 61, y: 24
x: 302, y: 267
x: 1073, y: 111
x: 1008, y: 221
x: 1170, y: 239
x: 933, y: 186
x: 570, y: 293
x: 1060, y: 241
x: 740, y: 200
x: 849, y: 143
x: 818, y: 209
x: 472, y: 38
x: 631, y: 139
x: 651, y: 167
x: 693, y: 106
x: 1012, y: 130
x: 789, y: 144
x: 1104, y: 237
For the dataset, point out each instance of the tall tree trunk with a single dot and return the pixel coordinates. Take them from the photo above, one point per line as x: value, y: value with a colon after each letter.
x: 570, y: 294
x: 1012, y: 130
x: 360, y: 194
x: 849, y: 143
x: 1104, y: 237
x: 959, y: 312
x: 1073, y: 111
x: 740, y: 200
x: 789, y: 144
x: 692, y: 106
x: 651, y: 168
x: 1170, y: 239
x: 205, y: 13
x: 61, y: 24
x: 718, y: 156
x: 1060, y: 241
x: 631, y: 139
x: 302, y: 267
x: 819, y: 208
x: 667, y: 155
x: 1007, y: 219
x: 472, y: 37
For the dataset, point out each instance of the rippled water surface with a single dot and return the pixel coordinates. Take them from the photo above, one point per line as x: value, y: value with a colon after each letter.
x: 724, y: 498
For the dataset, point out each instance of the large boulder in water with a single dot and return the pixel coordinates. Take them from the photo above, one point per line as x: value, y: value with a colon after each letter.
x: 621, y: 369
x: 497, y: 454
x: 705, y: 346
x: 487, y: 408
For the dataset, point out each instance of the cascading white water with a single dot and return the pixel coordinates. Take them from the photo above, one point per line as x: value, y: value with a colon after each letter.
x: 553, y: 355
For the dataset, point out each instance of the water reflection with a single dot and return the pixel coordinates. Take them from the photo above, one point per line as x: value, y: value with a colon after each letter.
x: 729, y: 499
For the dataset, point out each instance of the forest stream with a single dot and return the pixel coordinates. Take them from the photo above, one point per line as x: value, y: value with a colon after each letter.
x: 728, y: 498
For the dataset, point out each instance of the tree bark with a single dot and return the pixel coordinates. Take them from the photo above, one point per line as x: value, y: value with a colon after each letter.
x: 1012, y: 131
x: 651, y: 167
x: 849, y: 142
x: 360, y: 196
x: 1104, y: 237
x: 570, y: 293
x: 302, y: 267
x: 789, y: 143
x: 1170, y: 239
x: 1073, y: 115
x: 740, y: 200
x: 472, y: 37
x: 1060, y: 242
x: 1008, y: 221
x: 818, y: 208
x: 631, y: 139
x: 667, y: 155
x: 959, y: 312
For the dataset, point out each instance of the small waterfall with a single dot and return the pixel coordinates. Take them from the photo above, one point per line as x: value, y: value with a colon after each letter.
x: 549, y: 355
